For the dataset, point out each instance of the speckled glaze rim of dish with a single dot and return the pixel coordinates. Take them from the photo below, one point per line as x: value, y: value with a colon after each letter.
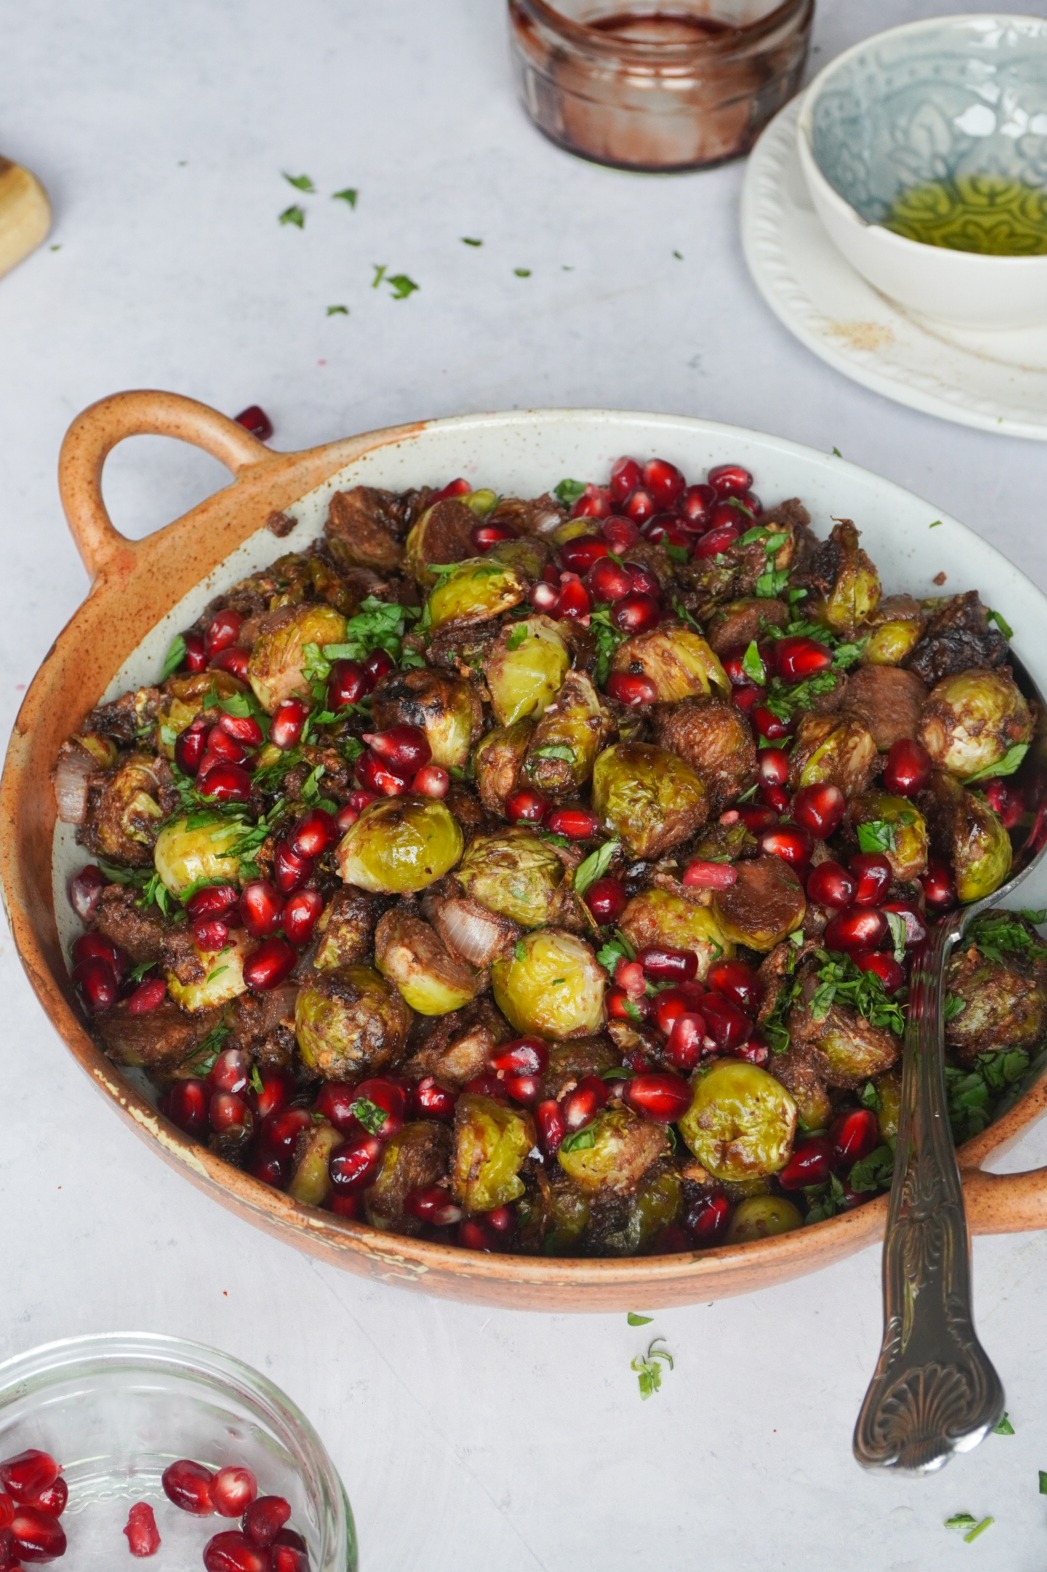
x: 710, y: 46
x: 135, y: 584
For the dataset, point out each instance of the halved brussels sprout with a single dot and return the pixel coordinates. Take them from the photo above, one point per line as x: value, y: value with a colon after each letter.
x: 845, y: 1049
x: 475, y: 591
x: 201, y: 854
x: 528, y: 555
x: 896, y: 829
x: 969, y: 836
x: 349, y: 1022
x: 413, y: 1160
x: 676, y: 659
x: 971, y: 720
x: 409, y: 953
x: 551, y: 984
x: 762, y: 1217
x: 311, y: 1177
x: 525, y: 668
x: 491, y: 1143
x: 656, y: 1204
x: 649, y: 797
x: 276, y: 666
x: 514, y: 873
x: 999, y: 1003
x: 899, y: 625
x: 566, y: 1217
x: 127, y: 815
x: 765, y: 904
x: 498, y: 760
x: 399, y: 846
x: 345, y: 929
x: 741, y: 1122
x: 836, y: 749
x: 222, y: 979
x: 613, y: 1152
x: 851, y: 585
x: 658, y: 916
x: 562, y: 751
x: 442, y: 534
x: 444, y: 707
x: 185, y: 697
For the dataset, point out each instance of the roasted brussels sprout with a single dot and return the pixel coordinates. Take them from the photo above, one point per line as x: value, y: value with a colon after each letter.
x: 127, y: 816
x: 715, y: 739
x: 764, y: 905
x: 310, y: 1182
x: 632, y: 1226
x: 676, y: 659
x: 209, y: 978
x: 894, y: 828
x: 345, y: 929
x: 809, y: 1091
x: 741, y: 1122
x: 835, y: 749
x: 551, y: 984
x: 567, y: 739
x: 491, y: 1143
x: 569, y: 1062
x: 613, y: 1152
x: 738, y: 622
x: 972, y: 720
x: 847, y: 580
x: 967, y: 834
x: 658, y: 916
x: 444, y: 707
x: 409, y: 953
x: 514, y: 873
x: 197, y: 850
x: 475, y: 591
x: 761, y: 1217
x: 442, y: 534
x: 498, y: 761
x: 526, y: 668
x: 527, y: 555
x: 276, y: 666
x: 898, y: 625
x: 997, y: 1002
x: 186, y: 697
x: 399, y: 846
x: 648, y: 797
x: 565, y: 1216
x: 349, y: 1022
x: 413, y: 1160
x: 888, y: 700
x: 844, y: 1048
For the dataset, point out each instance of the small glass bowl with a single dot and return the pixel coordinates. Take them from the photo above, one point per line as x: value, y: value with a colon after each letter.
x: 653, y: 87
x: 116, y: 1409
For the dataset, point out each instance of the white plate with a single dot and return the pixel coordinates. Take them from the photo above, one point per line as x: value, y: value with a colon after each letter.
x: 997, y: 381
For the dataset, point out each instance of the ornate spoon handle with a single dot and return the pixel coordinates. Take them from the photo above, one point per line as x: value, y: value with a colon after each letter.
x: 934, y: 1391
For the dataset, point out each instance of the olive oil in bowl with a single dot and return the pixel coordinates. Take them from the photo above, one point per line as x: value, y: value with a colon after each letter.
x: 982, y: 213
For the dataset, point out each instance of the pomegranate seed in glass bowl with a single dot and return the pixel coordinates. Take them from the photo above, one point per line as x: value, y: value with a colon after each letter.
x: 137, y: 1418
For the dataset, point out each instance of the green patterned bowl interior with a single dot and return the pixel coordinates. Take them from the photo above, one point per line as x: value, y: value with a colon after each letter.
x: 940, y: 131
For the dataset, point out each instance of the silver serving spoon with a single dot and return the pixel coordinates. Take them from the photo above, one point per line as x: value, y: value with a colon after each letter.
x: 935, y: 1391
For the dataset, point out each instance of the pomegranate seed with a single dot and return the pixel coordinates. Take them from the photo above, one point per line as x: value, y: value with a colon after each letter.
x: 643, y: 580
x: 347, y: 684
x: 629, y: 975
x: 662, y: 1097
x: 730, y: 480
x: 727, y: 515
x: 525, y: 1055
x: 232, y: 660
x: 402, y: 748
x: 748, y: 698
x: 53, y: 1500
x: 908, y: 767
x: 913, y: 918
x: 736, y: 982
x: 819, y: 809
x: 148, y: 996
x: 619, y: 533
x: 830, y: 884
x: 874, y: 877
x: 582, y: 552
x: 595, y: 504
x: 686, y: 1039
x: 768, y: 724
x: 791, y: 842
x: 717, y: 540
x: 707, y: 1219
x: 890, y: 972
x: 454, y: 488
x: 640, y: 506
x: 800, y: 657
x: 861, y: 928
x: 811, y: 1163
x: 939, y: 889
x: 430, y: 1100
x: 432, y: 780
x: 753, y: 1052
x: 360, y: 799
x: 854, y: 1135
x: 210, y: 934
x: 573, y: 598
x: 606, y: 899
x: 622, y: 1007
x: 757, y: 819
x: 270, y: 1169
x: 142, y: 1536
x: 694, y: 505
x: 301, y: 914
x: 230, y: 1071
x: 487, y: 1084
x: 314, y: 833
x: 486, y: 536
x: 85, y: 891
x: 185, y: 1104
x: 195, y: 659
x: 552, y: 1128
x: 378, y: 665
x: 725, y: 1022
x: 226, y: 783
x: 227, y: 1111
x: 671, y: 1003
x: 1007, y: 802
x: 95, y: 946
x: 377, y: 776
x: 661, y: 963
x: 664, y: 481
x: 347, y: 815
x: 773, y: 766
x: 581, y: 1105
x: 608, y: 581
x: 261, y: 908
x: 188, y: 1485
x: 288, y: 722
x: 626, y: 475
x: 353, y: 1165
x: 26, y: 1475
x: 255, y: 420
x: 710, y: 875
x: 264, y: 1519
x: 733, y: 663
x: 545, y: 597
x: 189, y: 747
x: 526, y: 807
x: 214, y: 900
x: 97, y: 983
x: 668, y: 529
x: 388, y: 1098
x: 629, y: 687
x: 222, y: 631
x: 221, y: 749
x: 233, y: 1490
x: 232, y: 1551
x: 475, y: 1235
x: 36, y: 1535
x: 776, y: 798
x: 578, y: 824
x: 278, y: 1087
x: 524, y: 1089
x: 243, y: 729
x: 636, y: 613
x: 281, y: 1129
x: 290, y: 871
x: 434, y: 1206
x: 269, y: 965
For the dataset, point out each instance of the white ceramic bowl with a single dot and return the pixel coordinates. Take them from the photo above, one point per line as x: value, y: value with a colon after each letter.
x: 921, y: 104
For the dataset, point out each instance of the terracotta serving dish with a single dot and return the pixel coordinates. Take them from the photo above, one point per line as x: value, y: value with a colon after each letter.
x: 143, y: 592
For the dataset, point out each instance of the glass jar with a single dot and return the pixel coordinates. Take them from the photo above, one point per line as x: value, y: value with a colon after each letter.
x: 679, y: 86
x: 116, y: 1409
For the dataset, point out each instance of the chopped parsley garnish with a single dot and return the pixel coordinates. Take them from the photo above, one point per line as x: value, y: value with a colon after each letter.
x: 840, y: 981
x: 971, y: 1527
x: 638, y: 1320
x: 579, y: 1140
x: 976, y: 1095
x: 648, y: 1367
x: 338, y: 311
x: 1043, y: 1481
x: 569, y: 491
x: 400, y: 284
x: 470, y: 240
x: 615, y: 950
x: 1003, y: 1426
x: 935, y: 524
x: 300, y: 182
x: 998, y: 934
x: 201, y: 1061
x: 174, y: 657
x: 293, y: 215
x: 899, y: 933
x: 594, y: 866
x: 784, y: 699
x: 349, y: 196
x: 753, y: 666
x: 516, y: 637
x: 138, y: 972
x: 824, y: 1200
x: 876, y: 835
x: 607, y: 639
x: 1002, y: 623
x: 1010, y: 762
x: 954, y: 1006
x: 872, y: 1172
x: 522, y: 272
x: 367, y: 1113
x: 520, y: 950
x: 555, y: 750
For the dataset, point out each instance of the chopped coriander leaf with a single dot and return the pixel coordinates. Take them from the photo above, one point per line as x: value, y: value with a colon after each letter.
x: 872, y: 1172
x: 293, y: 215
x: 522, y: 272
x: 257, y: 1084
x: 520, y: 950
x: 338, y: 311
x: 367, y: 1113
x: 402, y: 285
x: 569, y: 491
x: 201, y: 1060
x: 836, y: 453
x: 976, y: 1095
x: 963, y: 1519
x: 648, y: 1366
x: 840, y: 980
x: 770, y: 585
x: 613, y: 951
x: 935, y: 525
x: 954, y: 1006
x: 380, y: 270
x: 896, y: 923
x: 1003, y: 1426
x: 174, y: 657
x: 678, y: 255
x: 676, y: 553
x: 516, y: 638
x: 1010, y: 762
x: 753, y: 666
x: 579, y: 1140
x: 594, y: 866
x: 300, y: 182
x: 138, y: 972
x: 1002, y: 623
x: 348, y: 196
x: 555, y: 750
x: 607, y: 638
x: 824, y: 1200
x: 998, y: 934
x: 470, y: 240
x: 1043, y: 1482
x: 638, y: 1320
x: 876, y: 835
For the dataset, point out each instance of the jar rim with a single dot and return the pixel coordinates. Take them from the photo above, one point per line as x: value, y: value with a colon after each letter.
x: 710, y: 46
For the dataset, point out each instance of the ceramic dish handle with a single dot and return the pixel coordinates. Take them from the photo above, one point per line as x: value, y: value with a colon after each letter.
x: 92, y: 437
x: 1005, y: 1203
